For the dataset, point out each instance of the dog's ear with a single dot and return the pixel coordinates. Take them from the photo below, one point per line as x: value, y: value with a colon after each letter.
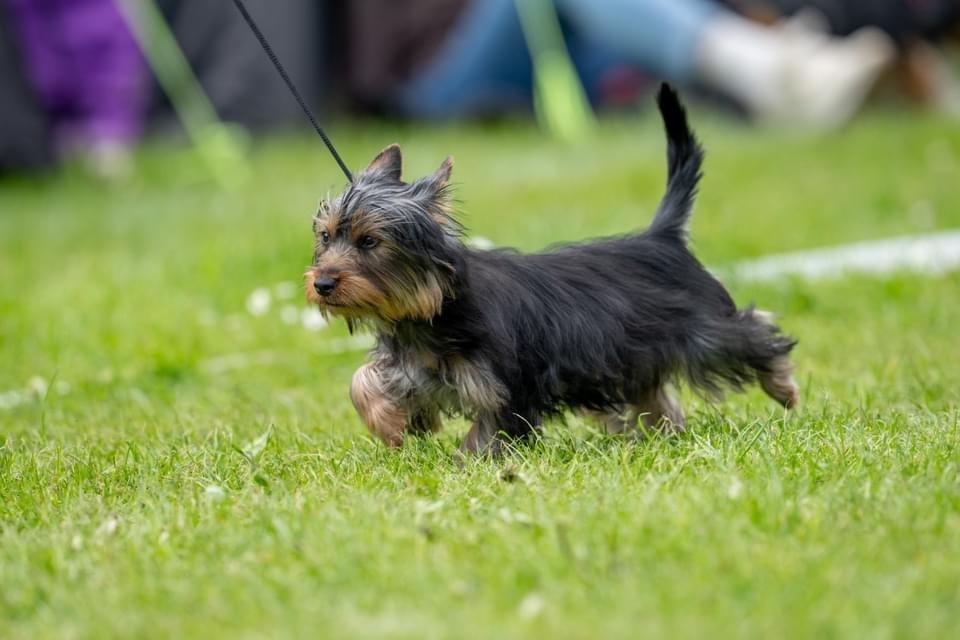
x: 441, y: 177
x: 441, y: 197
x: 389, y: 162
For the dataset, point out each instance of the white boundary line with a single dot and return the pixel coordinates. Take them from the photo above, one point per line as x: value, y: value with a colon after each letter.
x: 934, y: 253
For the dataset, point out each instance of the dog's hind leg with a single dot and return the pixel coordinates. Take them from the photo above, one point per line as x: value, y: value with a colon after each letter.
x: 619, y: 420
x: 660, y: 410
x: 776, y: 373
x: 777, y: 381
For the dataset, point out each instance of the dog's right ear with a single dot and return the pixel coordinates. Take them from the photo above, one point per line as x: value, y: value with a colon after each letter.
x: 389, y: 162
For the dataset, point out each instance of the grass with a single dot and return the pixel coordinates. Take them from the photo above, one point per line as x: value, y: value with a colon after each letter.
x: 185, y: 468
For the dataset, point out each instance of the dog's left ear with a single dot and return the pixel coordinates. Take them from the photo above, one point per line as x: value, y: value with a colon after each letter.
x: 442, y: 198
x: 441, y: 177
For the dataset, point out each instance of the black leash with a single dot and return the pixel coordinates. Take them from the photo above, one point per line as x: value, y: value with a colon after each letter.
x: 293, y: 89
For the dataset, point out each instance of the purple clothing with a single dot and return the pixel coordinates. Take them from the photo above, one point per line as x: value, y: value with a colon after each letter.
x: 85, y: 65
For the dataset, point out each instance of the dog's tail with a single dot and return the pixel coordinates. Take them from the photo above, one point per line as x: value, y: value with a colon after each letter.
x: 684, y: 160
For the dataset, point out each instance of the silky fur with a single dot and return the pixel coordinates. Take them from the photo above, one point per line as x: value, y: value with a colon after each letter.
x: 510, y: 340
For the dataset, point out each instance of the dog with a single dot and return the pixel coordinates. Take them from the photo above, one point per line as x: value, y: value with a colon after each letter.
x: 509, y: 340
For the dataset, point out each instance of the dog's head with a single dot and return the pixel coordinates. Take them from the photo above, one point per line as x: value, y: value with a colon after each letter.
x: 386, y: 249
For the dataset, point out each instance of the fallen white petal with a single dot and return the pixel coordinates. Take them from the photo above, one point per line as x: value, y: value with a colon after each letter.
x: 258, y: 302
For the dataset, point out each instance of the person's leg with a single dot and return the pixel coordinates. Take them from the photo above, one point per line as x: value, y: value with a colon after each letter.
x: 660, y: 35
x: 609, y: 79
x: 484, y: 65
x: 776, y: 73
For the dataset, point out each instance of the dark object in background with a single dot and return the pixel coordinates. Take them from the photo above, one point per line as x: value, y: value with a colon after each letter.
x: 24, y: 134
x: 384, y: 42
x: 903, y: 20
x: 237, y: 77
x: 226, y: 58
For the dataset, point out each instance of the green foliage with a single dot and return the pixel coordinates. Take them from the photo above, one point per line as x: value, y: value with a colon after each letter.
x: 174, y: 466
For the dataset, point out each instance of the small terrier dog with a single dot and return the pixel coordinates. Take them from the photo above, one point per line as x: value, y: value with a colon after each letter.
x: 510, y: 340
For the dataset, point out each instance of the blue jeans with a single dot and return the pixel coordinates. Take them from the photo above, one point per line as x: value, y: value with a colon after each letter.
x: 485, y: 65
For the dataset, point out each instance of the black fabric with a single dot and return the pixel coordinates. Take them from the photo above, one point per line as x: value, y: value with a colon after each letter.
x: 239, y: 79
x: 24, y: 136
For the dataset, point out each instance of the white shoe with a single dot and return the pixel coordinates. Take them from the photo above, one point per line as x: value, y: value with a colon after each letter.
x: 823, y: 80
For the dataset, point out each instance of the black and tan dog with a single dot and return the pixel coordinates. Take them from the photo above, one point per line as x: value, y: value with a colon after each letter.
x: 509, y: 339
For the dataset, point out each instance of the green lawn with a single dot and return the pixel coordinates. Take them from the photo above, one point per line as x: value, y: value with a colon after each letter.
x: 196, y: 470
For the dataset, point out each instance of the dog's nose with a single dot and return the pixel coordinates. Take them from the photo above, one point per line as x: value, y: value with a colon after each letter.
x: 324, y: 286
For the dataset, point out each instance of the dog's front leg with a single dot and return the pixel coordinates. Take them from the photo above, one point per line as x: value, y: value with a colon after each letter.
x: 482, y: 436
x: 492, y: 431
x: 425, y: 420
x: 386, y: 417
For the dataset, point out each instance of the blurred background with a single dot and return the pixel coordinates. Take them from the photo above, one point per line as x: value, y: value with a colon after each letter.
x: 89, y: 79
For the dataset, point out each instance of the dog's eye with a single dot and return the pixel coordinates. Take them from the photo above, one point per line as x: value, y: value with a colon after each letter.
x: 324, y: 237
x: 367, y: 242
